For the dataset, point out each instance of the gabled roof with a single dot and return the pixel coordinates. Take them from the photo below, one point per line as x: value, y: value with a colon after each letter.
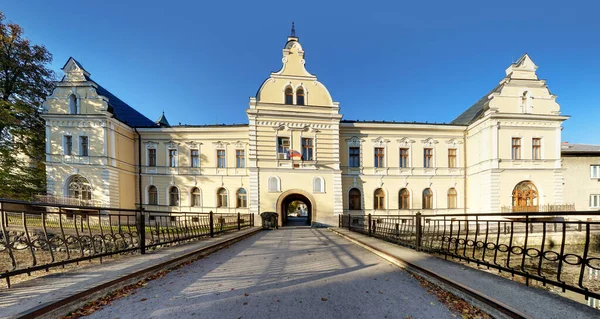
x: 121, y: 110
x: 476, y: 110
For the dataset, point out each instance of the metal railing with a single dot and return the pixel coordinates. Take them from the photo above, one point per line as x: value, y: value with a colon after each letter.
x: 559, y: 248
x: 538, y: 208
x: 38, y: 236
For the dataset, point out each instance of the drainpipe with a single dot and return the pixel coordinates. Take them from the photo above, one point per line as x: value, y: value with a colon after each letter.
x: 139, y: 166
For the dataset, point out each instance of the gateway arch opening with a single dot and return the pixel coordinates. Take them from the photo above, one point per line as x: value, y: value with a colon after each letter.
x: 296, y: 210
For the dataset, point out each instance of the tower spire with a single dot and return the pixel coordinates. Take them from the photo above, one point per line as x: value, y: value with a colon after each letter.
x: 293, y: 34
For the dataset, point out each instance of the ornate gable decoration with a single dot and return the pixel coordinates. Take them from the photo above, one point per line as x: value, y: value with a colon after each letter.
x: 454, y: 142
x: 239, y: 145
x: 151, y: 144
x: 172, y: 145
x: 354, y: 141
x: 220, y: 144
x: 380, y: 142
x: 405, y: 142
x: 193, y: 145
x: 429, y: 142
x: 74, y: 72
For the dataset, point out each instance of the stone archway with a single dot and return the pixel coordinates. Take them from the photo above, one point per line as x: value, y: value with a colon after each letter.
x: 295, y: 194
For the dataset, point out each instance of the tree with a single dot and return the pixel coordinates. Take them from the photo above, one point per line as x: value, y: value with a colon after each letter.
x: 25, y: 81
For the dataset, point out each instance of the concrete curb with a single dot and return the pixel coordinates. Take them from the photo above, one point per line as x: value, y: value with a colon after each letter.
x: 73, y: 302
x: 474, y: 297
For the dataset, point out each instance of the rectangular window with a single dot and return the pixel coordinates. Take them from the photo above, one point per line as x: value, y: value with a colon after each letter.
x: 152, y: 157
x: 595, y: 201
x: 307, y: 149
x: 354, y: 157
x: 451, y: 157
x: 404, y: 157
x: 379, y: 157
x: 68, y: 145
x: 595, y: 171
x: 536, y: 148
x: 428, y: 157
x: 240, y: 158
x: 172, y: 158
x: 516, y: 148
x: 83, y: 146
x: 283, y: 147
x: 221, y: 158
x: 195, y: 158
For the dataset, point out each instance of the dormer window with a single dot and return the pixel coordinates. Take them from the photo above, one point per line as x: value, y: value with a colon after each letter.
x: 289, y: 96
x: 73, y: 107
x: 300, y: 96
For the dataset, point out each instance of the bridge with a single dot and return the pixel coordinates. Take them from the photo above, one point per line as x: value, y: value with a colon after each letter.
x: 104, y: 262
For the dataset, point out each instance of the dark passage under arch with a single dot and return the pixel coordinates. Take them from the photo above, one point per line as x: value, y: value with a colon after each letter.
x: 296, y: 210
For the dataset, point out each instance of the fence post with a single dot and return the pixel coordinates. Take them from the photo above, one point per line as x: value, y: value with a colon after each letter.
x: 369, y: 224
x: 418, y: 231
x: 340, y: 221
x: 239, y: 222
x: 252, y: 220
x: 211, y: 223
x: 142, y: 230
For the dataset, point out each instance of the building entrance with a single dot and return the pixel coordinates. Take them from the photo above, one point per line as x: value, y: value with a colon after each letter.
x: 296, y: 210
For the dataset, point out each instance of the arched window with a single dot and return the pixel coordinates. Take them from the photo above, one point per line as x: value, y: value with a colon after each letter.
x: 242, y: 198
x: 404, y: 199
x: 274, y: 185
x: 73, y: 107
x: 379, y: 200
x: 195, y: 197
x: 222, y: 197
x: 354, y: 197
x: 152, y: 195
x: 318, y: 185
x: 452, y: 200
x: 300, y: 96
x: 173, y: 196
x: 427, y: 199
x: 289, y: 96
x: 79, y: 188
x: 525, y: 197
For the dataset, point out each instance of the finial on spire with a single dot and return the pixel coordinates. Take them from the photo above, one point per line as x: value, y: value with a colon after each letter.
x: 293, y: 34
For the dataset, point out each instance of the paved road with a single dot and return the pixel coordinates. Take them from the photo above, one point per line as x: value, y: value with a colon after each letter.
x: 287, y: 273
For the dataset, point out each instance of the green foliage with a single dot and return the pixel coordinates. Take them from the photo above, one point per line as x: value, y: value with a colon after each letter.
x: 25, y: 81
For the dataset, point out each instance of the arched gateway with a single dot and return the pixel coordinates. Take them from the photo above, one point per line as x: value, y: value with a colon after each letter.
x: 306, y: 212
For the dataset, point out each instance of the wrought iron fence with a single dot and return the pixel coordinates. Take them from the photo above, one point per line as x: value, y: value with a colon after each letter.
x: 37, y: 236
x: 560, y: 249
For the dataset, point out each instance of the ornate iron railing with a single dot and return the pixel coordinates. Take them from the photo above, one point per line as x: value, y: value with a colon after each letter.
x: 561, y: 249
x: 539, y: 208
x: 37, y: 236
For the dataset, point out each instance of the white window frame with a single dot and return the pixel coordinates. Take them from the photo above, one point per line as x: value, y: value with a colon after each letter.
x: 192, y: 158
x: 224, y: 158
x: 595, y: 201
x: 321, y: 181
x: 236, y: 157
x: 597, y: 171
x: 65, y: 144
x: 169, y: 149
x: 80, y: 144
x: 541, y: 147
x: 277, y: 186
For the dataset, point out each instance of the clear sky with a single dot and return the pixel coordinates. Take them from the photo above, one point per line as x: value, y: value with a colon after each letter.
x: 199, y: 61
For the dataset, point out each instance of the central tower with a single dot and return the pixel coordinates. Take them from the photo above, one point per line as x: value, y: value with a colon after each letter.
x: 294, y: 140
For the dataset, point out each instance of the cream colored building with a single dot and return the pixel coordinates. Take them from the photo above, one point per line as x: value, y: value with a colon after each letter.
x: 502, y: 153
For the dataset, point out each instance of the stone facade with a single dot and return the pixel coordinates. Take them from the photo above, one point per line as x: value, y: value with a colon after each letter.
x: 297, y: 146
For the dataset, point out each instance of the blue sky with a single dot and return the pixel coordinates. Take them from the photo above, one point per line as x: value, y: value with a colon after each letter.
x: 406, y: 61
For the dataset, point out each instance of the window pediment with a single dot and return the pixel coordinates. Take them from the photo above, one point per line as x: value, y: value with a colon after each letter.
x: 380, y: 142
x: 354, y: 141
